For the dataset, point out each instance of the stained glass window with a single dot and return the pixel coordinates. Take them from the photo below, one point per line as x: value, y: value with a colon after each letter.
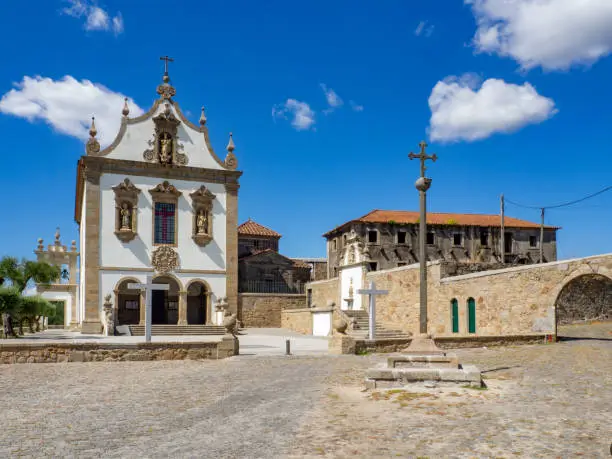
x: 165, y: 223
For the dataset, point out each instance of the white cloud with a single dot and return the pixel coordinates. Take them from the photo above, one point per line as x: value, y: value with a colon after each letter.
x: 302, y: 117
x: 95, y: 17
x: 355, y: 106
x: 424, y: 29
x: 118, y: 24
x: 333, y: 99
x: 67, y: 105
x: 462, y: 109
x: 553, y: 34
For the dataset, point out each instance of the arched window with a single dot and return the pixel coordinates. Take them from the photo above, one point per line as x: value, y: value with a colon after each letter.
x: 471, y: 310
x: 455, y: 315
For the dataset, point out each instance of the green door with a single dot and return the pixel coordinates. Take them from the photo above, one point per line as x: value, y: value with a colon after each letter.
x: 471, y: 315
x: 455, y: 315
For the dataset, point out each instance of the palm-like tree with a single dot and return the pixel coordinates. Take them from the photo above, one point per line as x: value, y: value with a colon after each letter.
x: 20, y: 274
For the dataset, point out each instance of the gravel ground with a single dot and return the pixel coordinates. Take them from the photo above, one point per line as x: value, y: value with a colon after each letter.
x: 542, y: 401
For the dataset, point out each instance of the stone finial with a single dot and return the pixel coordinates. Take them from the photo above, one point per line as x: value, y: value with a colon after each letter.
x: 230, y: 160
x: 92, y: 146
x: 57, y: 236
x: 230, y: 145
x: 126, y: 109
x: 92, y: 130
x: 41, y: 247
x: 73, y: 246
x: 202, y: 118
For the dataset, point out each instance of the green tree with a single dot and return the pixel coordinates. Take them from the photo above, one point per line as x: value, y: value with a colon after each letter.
x: 32, y: 309
x: 20, y: 274
x: 10, y: 303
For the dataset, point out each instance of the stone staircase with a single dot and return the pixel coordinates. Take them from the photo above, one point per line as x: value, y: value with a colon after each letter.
x: 175, y: 330
x: 361, y: 328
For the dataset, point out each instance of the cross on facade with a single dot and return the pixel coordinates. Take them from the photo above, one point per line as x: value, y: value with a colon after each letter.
x: 372, y: 319
x: 166, y: 59
x: 148, y: 288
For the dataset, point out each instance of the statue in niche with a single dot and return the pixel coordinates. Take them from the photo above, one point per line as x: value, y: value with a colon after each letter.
x: 202, y: 222
x: 165, y: 148
x: 126, y: 217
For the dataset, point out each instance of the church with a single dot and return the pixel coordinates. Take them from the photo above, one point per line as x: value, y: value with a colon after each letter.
x: 156, y: 204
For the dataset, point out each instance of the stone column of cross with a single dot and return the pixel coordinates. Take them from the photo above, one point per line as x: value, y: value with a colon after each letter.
x: 422, y: 184
x: 372, y: 292
x: 148, y: 288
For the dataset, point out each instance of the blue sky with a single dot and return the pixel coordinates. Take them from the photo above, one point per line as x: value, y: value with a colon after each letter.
x: 325, y: 100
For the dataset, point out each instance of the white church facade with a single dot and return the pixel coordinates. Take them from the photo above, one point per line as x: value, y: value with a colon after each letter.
x: 158, y: 204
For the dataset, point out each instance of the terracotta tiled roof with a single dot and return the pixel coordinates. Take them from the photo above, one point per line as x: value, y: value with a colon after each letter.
x: 251, y: 228
x: 404, y: 216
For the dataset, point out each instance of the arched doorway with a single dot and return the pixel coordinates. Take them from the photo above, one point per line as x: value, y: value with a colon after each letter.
x: 128, y: 303
x: 455, y: 315
x: 164, y: 303
x: 471, y: 313
x: 586, y: 297
x: 197, y: 296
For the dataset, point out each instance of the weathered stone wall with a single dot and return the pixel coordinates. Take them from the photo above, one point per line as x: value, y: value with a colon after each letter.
x: 91, y: 352
x: 298, y: 320
x: 263, y: 310
x: 324, y: 292
x: 587, y: 297
x: 511, y: 301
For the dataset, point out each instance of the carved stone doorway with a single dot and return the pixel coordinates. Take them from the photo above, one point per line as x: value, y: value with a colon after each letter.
x: 128, y: 303
x: 197, y: 298
x: 164, y: 303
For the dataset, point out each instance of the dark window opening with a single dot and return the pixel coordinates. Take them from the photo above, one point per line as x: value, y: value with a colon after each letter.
x: 164, y: 223
x: 457, y: 239
x: 373, y: 265
x: 533, y: 241
x: 484, y: 238
x: 401, y: 263
x: 309, y: 298
x: 373, y: 236
x: 334, y: 245
x: 508, y: 242
x: 430, y: 238
x: 401, y: 237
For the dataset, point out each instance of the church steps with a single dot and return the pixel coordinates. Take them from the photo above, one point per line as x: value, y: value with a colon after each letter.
x: 362, y: 326
x: 176, y: 330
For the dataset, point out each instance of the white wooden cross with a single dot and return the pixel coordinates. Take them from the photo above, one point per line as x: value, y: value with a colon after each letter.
x: 148, y: 287
x: 372, y: 319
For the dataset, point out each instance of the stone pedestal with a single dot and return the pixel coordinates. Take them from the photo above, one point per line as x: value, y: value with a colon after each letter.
x: 341, y: 344
x: 405, y: 368
x: 423, y: 345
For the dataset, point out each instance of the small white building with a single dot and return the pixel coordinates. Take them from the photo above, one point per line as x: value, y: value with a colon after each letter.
x: 157, y: 202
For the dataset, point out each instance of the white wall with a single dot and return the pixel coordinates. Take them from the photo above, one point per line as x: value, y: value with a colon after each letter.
x: 356, y: 273
x: 321, y: 323
x: 137, y: 252
x: 136, y: 138
x: 63, y: 296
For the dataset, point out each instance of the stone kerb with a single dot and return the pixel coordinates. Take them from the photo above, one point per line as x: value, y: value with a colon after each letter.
x: 95, y: 352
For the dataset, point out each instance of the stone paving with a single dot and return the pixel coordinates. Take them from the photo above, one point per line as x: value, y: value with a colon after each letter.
x: 542, y: 401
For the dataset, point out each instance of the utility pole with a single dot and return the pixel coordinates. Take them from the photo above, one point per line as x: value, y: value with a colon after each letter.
x: 502, y: 236
x: 542, y: 238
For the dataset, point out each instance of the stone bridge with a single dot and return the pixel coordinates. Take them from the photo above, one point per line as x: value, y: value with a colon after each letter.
x: 521, y: 300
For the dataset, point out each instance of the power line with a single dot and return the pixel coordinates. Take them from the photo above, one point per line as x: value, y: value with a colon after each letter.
x: 565, y: 204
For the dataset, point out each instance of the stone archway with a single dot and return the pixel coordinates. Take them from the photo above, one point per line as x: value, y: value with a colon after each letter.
x: 585, y: 297
x: 127, y: 302
x: 197, y: 303
x: 165, y: 303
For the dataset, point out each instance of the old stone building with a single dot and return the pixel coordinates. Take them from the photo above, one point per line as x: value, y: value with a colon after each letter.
x: 261, y: 268
x: 389, y: 239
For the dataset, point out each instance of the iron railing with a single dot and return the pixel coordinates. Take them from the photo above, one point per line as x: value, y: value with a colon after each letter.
x: 259, y: 286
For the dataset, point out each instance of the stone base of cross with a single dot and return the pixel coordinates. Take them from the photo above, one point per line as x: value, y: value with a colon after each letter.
x: 148, y: 288
x: 372, y: 292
